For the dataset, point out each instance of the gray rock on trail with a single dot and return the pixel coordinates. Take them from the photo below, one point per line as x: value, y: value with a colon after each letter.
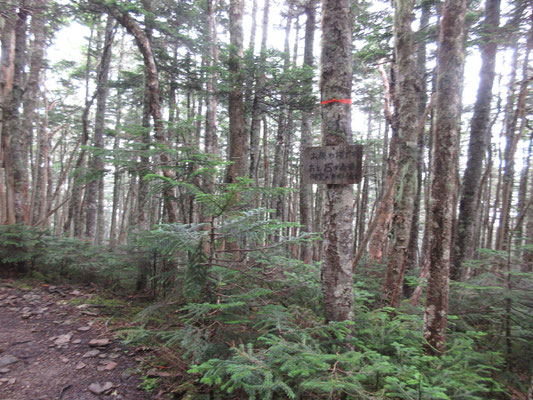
x: 26, y: 313
x: 98, y: 388
x: 8, y: 360
x: 99, y: 342
x: 92, y: 353
x: 84, y: 328
x: 111, y: 366
x: 81, y: 365
x: 63, y: 340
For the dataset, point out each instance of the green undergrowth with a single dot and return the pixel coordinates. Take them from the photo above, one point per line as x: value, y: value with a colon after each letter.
x: 225, y: 310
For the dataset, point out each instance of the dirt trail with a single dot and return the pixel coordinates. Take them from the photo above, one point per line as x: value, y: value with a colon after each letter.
x: 51, y: 350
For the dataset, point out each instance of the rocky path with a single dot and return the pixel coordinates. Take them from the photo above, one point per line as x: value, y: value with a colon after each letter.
x: 53, y: 350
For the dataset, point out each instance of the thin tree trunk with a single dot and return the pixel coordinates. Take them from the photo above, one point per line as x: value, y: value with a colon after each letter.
x: 379, y: 239
x: 13, y: 131
x: 449, y: 73
x: 407, y: 96
x: 413, y: 249
x: 527, y: 260
x: 94, y: 204
x: 40, y: 197
x: 211, y: 138
x: 238, y: 142
x: 513, y: 136
x: 117, y: 175
x: 306, y: 191
x: 281, y: 149
x: 75, y: 212
x: 496, y: 204
x: 479, y: 140
x: 152, y: 80
x: 31, y: 97
x: 6, y: 86
x: 257, y: 106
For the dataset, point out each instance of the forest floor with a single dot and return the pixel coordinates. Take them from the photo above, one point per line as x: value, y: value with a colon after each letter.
x: 54, y: 344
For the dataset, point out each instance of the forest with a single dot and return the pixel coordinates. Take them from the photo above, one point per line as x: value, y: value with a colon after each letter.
x: 161, y: 150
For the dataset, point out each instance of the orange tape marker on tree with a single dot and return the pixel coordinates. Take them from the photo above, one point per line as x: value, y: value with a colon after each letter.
x: 346, y: 101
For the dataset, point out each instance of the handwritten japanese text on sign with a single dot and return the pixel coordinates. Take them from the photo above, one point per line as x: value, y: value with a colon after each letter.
x: 332, y: 164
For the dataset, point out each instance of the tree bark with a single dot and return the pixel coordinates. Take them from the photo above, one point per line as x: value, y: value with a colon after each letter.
x: 117, y: 175
x: 512, y: 136
x: 152, y: 81
x: 257, y: 106
x: 449, y: 72
x: 6, y: 86
x: 413, y: 249
x: 379, y: 240
x: 306, y: 191
x: 336, y: 82
x: 12, y: 128
x: 94, y: 204
x: 527, y: 261
x: 281, y: 149
x: 479, y: 140
x: 211, y: 138
x: 75, y: 213
x: 238, y: 142
x: 407, y: 97
x: 31, y: 97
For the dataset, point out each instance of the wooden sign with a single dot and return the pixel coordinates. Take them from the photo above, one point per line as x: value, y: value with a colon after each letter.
x: 332, y: 164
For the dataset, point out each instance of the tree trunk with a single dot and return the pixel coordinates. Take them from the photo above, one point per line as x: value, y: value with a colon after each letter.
x: 117, y: 175
x: 257, y: 106
x: 94, y: 206
x: 413, y: 249
x: 527, y: 261
x: 152, y: 81
x: 280, y: 153
x: 6, y: 86
x: 449, y: 72
x: 238, y: 142
x: 13, y: 132
x: 379, y: 239
x: 211, y: 138
x: 407, y: 96
x: 479, y: 140
x: 336, y: 83
x: 512, y: 137
x: 306, y: 191
x: 75, y: 211
x: 31, y: 97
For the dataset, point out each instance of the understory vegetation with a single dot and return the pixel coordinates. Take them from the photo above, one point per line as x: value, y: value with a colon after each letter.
x: 248, y: 323
x: 265, y: 221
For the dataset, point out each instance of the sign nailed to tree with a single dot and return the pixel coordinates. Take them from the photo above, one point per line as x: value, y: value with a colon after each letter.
x: 332, y: 164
